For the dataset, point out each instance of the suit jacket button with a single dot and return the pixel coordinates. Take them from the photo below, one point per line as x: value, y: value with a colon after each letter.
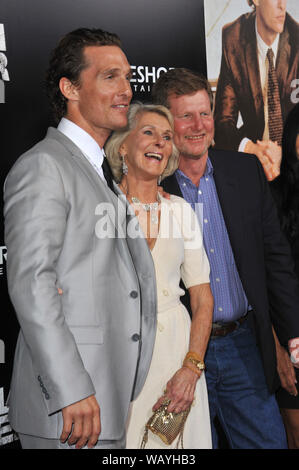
x: 134, y: 294
x: 136, y: 337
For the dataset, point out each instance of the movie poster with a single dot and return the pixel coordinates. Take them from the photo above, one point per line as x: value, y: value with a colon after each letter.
x: 252, y: 95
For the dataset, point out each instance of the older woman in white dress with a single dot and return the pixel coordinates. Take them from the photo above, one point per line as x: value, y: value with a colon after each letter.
x: 139, y: 156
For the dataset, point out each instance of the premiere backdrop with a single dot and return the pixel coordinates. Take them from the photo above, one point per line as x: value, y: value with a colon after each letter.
x: 156, y: 35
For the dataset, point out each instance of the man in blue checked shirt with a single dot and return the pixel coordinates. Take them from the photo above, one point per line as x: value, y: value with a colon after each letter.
x: 252, y: 279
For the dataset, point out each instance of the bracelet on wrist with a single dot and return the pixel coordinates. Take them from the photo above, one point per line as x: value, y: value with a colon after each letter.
x: 195, y: 360
x: 189, y: 366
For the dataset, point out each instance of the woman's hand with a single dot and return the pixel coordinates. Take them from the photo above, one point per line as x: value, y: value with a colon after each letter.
x: 179, y: 390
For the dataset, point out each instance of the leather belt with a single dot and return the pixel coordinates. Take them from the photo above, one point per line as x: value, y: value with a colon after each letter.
x: 222, y: 329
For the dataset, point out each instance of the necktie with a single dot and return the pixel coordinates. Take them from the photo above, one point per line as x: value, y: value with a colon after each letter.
x: 107, y: 173
x: 275, y: 121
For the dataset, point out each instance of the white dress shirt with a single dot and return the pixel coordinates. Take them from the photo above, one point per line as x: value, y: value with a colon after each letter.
x: 262, y: 49
x: 88, y: 146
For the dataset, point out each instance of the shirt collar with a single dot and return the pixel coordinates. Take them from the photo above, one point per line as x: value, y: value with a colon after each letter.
x: 209, y: 170
x: 263, y: 47
x: 83, y: 140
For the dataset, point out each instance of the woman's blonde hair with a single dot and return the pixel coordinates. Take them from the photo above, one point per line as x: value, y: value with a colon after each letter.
x: 118, y: 137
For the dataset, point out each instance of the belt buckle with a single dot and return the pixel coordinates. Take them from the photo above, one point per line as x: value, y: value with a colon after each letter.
x: 226, y: 328
x: 217, y: 325
x: 221, y: 330
x: 218, y: 330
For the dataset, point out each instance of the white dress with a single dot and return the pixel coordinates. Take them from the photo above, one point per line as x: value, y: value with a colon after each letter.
x: 178, y: 253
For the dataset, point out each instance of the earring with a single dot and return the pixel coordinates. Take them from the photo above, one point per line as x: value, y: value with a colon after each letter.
x: 124, y: 166
x: 159, y: 180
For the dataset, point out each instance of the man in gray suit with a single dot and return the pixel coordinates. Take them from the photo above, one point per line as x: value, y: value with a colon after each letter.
x: 85, y: 298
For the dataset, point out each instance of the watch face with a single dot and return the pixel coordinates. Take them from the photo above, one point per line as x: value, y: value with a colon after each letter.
x: 199, y: 364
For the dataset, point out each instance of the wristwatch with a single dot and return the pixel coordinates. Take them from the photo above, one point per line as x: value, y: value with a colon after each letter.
x: 199, y: 364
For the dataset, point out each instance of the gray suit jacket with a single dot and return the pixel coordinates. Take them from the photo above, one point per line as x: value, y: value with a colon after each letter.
x: 97, y: 337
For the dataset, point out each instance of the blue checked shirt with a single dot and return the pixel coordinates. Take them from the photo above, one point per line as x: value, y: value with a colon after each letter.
x: 230, y: 301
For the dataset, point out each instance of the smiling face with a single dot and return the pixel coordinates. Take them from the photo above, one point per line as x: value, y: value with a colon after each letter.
x: 100, y: 103
x: 148, y: 146
x: 193, y: 123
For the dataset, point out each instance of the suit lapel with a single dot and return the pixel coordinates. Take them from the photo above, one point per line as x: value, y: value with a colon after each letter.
x: 283, y: 63
x: 171, y: 186
x: 141, y: 257
x: 252, y: 65
x: 96, y: 181
x: 82, y: 161
x: 229, y: 196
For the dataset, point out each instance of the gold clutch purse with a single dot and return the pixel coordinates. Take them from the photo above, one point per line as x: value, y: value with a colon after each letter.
x: 166, y: 425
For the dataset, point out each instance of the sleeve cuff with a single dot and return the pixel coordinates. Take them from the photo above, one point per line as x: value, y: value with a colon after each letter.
x: 243, y: 144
